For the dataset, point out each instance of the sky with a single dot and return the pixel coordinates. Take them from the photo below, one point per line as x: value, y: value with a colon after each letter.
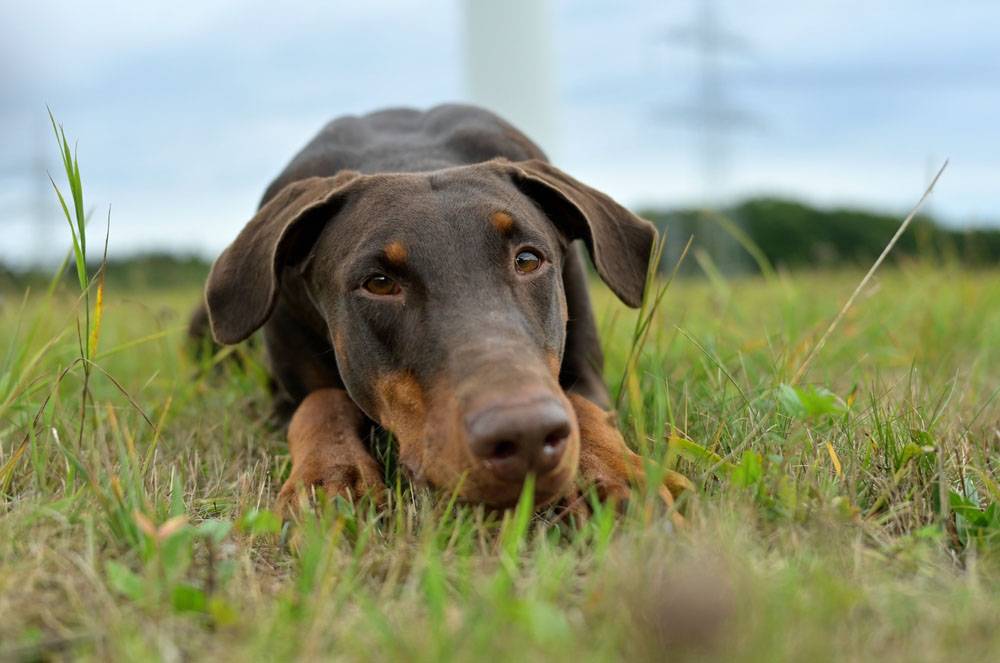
x: 183, y: 112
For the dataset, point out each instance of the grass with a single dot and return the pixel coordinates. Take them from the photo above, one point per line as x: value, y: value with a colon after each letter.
x: 851, y: 514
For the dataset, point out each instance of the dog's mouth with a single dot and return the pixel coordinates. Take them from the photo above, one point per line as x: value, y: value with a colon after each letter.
x: 479, y: 485
x: 547, y: 489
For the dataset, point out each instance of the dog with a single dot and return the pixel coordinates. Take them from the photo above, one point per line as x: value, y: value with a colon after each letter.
x: 420, y: 271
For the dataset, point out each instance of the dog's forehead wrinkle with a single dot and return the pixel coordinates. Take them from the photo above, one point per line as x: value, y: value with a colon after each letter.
x: 449, y: 200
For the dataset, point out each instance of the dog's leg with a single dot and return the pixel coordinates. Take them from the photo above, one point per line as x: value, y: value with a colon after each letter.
x: 327, y: 450
x: 607, y: 463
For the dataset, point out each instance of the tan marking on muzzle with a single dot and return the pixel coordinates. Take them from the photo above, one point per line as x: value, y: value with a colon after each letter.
x: 338, y: 342
x: 554, y: 363
x: 402, y: 407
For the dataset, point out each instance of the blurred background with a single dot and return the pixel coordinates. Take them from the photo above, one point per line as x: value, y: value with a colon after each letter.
x: 812, y: 126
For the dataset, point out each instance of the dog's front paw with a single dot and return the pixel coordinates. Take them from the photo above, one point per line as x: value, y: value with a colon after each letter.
x: 349, y: 480
x: 607, y: 464
x: 677, y: 484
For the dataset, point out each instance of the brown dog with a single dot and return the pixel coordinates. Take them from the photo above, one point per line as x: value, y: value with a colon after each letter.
x: 417, y: 270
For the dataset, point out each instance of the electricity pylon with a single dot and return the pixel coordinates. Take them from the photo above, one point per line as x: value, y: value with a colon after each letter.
x: 711, y: 113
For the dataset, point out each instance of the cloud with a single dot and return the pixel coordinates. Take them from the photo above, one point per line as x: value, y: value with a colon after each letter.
x: 185, y: 111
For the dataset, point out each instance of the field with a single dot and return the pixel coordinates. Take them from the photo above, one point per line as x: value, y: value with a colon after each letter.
x: 847, y: 516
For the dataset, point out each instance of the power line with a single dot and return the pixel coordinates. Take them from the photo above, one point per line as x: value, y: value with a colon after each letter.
x: 30, y: 204
x: 710, y: 112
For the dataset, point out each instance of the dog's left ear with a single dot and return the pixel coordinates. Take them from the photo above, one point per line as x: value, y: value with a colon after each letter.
x: 243, y: 286
x: 619, y: 242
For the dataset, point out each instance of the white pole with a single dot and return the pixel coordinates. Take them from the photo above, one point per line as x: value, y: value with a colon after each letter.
x: 509, y: 64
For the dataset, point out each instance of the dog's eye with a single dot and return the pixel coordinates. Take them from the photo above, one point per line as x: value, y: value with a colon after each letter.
x: 527, y: 262
x: 382, y: 285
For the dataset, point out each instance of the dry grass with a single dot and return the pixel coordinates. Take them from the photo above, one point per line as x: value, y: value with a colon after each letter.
x: 818, y: 530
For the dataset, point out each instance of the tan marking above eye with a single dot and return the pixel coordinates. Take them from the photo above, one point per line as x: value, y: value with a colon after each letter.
x: 395, y: 253
x: 502, y: 221
x: 527, y: 261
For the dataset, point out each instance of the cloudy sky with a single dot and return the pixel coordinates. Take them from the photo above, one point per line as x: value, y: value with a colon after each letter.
x: 184, y: 111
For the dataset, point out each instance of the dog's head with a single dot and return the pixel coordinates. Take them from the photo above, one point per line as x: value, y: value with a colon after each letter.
x: 444, y: 302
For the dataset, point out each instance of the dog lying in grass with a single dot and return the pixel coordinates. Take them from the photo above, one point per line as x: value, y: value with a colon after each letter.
x: 419, y: 271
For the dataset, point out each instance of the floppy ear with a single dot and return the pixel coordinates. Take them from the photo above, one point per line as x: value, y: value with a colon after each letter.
x: 242, y: 287
x: 619, y: 242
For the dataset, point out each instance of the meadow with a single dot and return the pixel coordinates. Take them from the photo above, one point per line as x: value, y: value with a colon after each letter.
x: 850, y: 516
x: 848, y: 511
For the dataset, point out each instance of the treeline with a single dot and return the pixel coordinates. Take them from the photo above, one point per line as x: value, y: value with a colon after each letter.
x: 791, y: 235
x: 146, y: 271
x: 788, y: 234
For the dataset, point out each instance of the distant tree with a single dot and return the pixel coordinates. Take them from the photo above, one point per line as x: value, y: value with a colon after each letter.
x: 792, y: 234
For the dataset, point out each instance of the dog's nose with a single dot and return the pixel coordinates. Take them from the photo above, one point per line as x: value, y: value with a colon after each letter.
x: 513, y: 440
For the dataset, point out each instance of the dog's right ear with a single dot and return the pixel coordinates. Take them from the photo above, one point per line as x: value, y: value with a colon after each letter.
x: 242, y: 287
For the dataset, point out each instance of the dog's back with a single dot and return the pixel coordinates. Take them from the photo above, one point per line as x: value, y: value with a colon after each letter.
x: 407, y: 140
